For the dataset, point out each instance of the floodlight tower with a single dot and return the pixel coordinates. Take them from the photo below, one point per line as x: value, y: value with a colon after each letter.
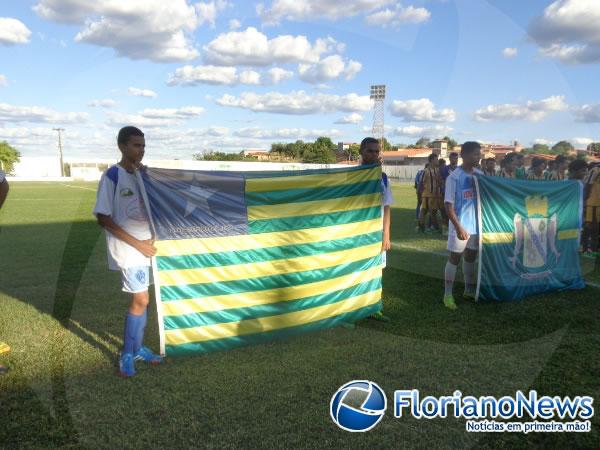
x: 378, y: 97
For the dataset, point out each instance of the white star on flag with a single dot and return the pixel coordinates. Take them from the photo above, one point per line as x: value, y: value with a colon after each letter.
x: 197, y: 198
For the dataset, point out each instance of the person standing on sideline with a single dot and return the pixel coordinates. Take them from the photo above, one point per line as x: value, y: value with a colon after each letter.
x: 121, y: 212
x: 370, y: 154
x: 561, y: 163
x: 444, y: 174
x: 431, y: 194
x: 419, y: 193
x: 508, y: 166
x: 461, y: 207
x: 490, y: 167
x: 537, y: 170
x: 4, y: 348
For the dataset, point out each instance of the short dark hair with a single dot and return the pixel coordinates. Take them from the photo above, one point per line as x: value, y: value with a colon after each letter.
x: 577, y: 164
x: 535, y: 162
x: 126, y: 132
x: 366, y: 141
x: 560, y: 159
x: 509, y: 157
x: 442, y: 161
x: 453, y: 154
x: 519, y: 155
x: 432, y: 157
x: 470, y: 147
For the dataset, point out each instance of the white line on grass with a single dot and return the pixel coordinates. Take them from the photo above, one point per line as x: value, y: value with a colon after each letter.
x: 431, y: 252
x: 78, y: 187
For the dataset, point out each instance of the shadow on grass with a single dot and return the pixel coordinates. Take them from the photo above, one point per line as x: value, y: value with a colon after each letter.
x: 481, y: 349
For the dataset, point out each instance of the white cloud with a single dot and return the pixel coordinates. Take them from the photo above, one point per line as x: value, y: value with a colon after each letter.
x: 142, y: 92
x: 532, y: 110
x: 542, y: 141
x: 295, y: 10
x: 568, y: 31
x: 509, y: 52
x: 421, y: 110
x: 13, y: 31
x: 297, y: 102
x: 234, y: 24
x: 219, y: 75
x: 253, y: 48
x: 583, y: 141
x: 329, y: 68
x: 104, y: 103
x: 207, y: 11
x: 398, y: 16
x: 588, y: 113
x: 185, y: 112
x: 149, y: 29
x: 3, y: 81
x: 351, y: 118
x: 416, y: 131
x: 12, y: 113
x: 192, y: 75
x: 284, y: 133
x: 277, y: 75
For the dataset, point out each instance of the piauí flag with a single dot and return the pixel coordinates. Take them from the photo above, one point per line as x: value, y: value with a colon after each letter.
x: 245, y: 257
x: 529, y: 237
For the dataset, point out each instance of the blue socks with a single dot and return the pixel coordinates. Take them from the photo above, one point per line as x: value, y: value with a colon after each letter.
x: 134, y: 332
x: 139, y: 335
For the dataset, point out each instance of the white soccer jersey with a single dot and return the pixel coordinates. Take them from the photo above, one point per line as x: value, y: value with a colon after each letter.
x: 119, y: 197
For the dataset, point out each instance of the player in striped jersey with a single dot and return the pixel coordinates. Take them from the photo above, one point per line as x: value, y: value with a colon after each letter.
x: 431, y: 193
x: 592, y: 210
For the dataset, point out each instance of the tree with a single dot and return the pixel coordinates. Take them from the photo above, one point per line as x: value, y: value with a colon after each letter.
x: 322, y: 151
x: 594, y: 147
x: 423, y: 142
x: 540, y: 149
x: 9, y: 156
x: 562, y: 148
x: 451, y: 142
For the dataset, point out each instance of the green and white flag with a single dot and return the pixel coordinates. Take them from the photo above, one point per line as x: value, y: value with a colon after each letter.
x: 529, y: 237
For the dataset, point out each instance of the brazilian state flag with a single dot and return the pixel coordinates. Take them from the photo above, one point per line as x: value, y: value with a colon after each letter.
x: 530, y: 233
x: 245, y: 257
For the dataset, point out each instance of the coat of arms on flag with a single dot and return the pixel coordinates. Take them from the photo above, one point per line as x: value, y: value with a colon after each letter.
x: 253, y: 256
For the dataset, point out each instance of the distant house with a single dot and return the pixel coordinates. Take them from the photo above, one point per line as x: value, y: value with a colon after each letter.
x: 260, y: 154
x: 406, y: 156
x: 499, y: 151
x: 440, y: 147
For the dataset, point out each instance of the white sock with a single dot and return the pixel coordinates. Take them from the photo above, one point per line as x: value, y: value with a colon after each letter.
x: 469, y: 273
x: 449, y: 274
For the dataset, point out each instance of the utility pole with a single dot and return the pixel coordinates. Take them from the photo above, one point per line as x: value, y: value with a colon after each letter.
x: 62, y: 167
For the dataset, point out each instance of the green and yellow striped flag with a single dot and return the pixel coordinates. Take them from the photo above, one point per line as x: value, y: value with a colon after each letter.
x: 254, y: 256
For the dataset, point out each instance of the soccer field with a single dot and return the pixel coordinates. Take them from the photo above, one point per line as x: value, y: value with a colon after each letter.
x: 62, y: 313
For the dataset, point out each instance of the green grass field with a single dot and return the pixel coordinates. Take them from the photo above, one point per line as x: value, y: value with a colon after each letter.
x: 62, y: 313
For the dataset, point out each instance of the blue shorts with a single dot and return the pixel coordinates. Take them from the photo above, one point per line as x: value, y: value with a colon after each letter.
x: 135, y: 279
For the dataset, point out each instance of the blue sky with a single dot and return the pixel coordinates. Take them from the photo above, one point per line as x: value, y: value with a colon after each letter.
x: 231, y: 75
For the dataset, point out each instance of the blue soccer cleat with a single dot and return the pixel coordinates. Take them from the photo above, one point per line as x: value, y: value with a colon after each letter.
x: 126, y: 365
x: 146, y: 355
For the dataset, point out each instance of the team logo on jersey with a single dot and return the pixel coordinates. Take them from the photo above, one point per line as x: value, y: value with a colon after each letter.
x: 535, y: 239
x: 126, y: 192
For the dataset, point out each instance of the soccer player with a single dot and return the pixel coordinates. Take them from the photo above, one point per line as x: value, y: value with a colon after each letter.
x: 490, y: 167
x: 370, y: 154
x: 537, y: 170
x: 419, y: 193
x: 560, y: 168
x: 592, y: 210
x: 121, y: 212
x: 520, y: 172
x: 431, y: 194
x: 461, y: 207
x: 508, y: 166
x: 4, y: 348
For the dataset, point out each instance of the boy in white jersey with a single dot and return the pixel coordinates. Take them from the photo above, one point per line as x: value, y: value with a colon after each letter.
x: 461, y: 207
x: 120, y: 211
